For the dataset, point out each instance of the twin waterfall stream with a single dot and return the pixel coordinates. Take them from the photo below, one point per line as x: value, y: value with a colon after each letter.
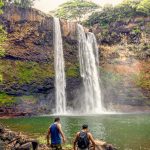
x: 89, y: 62
x: 60, y: 79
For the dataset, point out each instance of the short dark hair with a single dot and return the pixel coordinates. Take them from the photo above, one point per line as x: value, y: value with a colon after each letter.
x: 90, y: 30
x: 56, y: 119
x: 84, y: 126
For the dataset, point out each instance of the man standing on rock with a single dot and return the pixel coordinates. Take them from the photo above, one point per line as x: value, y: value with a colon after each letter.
x: 83, y: 139
x: 56, y: 134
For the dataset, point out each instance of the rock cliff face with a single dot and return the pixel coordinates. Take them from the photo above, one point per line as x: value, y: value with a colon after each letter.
x: 124, y: 58
x: 27, y: 69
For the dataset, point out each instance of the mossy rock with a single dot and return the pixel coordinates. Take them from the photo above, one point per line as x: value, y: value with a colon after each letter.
x: 73, y: 71
x: 24, y: 71
x: 6, y: 100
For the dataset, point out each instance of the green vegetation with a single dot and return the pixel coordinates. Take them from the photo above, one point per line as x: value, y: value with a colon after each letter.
x: 41, y: 140
x: 1, y: 4
x: 136, y: 31
x: 22, y: 3
x: 143, y: 78
x: 6, y: 100
x: 3, y: 34
x: 73, y: 71
x: 75, y: 9
x: 126, y: 10
x: 24, y: 72
x: 1, y: 78
x: 144, y: 7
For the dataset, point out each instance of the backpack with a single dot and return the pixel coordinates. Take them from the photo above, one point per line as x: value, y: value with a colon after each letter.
x: 83, y: 141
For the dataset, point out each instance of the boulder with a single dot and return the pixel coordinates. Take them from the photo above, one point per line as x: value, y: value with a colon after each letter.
x: 101, y: 145
x: 15, y: 141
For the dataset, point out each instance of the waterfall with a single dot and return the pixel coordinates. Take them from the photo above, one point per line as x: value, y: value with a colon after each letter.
x: 60, y: 79
x: 89, y: 62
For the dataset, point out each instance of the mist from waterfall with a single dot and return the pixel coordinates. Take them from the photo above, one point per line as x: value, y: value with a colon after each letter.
x: 89, y: 62
x: 60, y: 79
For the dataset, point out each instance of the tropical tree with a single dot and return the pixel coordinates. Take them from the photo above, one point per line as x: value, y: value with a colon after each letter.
x: 127, y: 9
x: 75, y: 9
x: 21, y: 3
x: 144, y: 7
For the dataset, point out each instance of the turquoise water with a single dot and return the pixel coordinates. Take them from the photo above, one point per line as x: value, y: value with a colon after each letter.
x: 127, y: 132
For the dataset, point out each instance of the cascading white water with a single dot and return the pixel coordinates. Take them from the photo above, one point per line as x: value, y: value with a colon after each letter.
x: 88, y: 58
x: 60, y: 79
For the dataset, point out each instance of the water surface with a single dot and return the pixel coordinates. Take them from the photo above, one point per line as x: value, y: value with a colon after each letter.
x: 127, y: 132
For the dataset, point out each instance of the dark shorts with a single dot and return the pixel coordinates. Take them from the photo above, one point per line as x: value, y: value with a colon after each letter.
x: 56, y: 147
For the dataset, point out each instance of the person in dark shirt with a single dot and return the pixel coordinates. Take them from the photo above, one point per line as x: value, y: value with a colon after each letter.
x: 56, y: 134
x: 83, y: 139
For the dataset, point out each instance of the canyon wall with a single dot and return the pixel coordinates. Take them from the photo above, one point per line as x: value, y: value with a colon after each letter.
x: 27, y: 68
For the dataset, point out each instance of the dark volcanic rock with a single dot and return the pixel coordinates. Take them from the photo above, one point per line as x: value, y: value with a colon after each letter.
x: 30, y: 47
x: 35, y: 41
x: 30, y: 39
x: 31, y: 34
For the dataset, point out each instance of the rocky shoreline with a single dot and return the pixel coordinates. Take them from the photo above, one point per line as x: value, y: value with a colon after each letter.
x: 10, y: 140
x: 10, y: 112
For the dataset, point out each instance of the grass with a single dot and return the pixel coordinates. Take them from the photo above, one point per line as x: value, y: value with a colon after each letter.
x: 42, y: 140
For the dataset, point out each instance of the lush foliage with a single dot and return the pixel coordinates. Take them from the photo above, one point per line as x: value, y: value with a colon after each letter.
x: 144, y: 7
x: 6, y: 100
x: 127, y: 9
x: 24, y: 72
x: 1, y: 4
x: 3, y: 36
x: 143, y: 78
x: 75, y: 9
x: 73, y: 71
x: 22, y: 3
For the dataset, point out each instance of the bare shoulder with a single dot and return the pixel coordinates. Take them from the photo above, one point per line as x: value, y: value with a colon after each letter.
x: 89, y: 134
x: 59, y: 125
x: 77, y: 134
